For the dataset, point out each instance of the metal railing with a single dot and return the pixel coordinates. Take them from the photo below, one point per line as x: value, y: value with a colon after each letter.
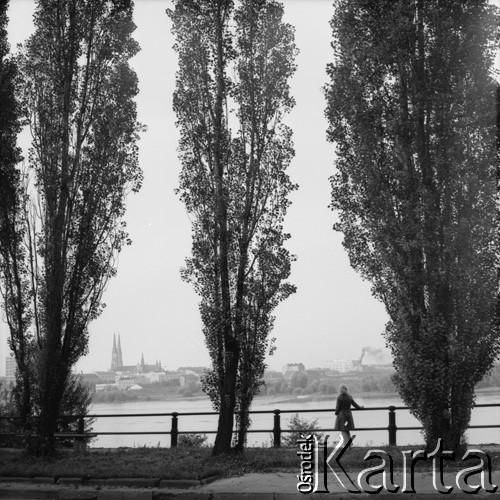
x: 276, y: 431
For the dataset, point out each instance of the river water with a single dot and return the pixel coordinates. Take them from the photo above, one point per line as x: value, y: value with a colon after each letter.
x: 203, y: 423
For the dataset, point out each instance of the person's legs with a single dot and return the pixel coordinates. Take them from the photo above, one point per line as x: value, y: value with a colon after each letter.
x: 346, y: 435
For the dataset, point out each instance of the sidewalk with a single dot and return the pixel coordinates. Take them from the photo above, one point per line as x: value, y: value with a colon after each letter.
x: 272, y: 486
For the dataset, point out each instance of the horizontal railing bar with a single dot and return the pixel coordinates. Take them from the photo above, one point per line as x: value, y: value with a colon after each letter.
x: 110, y: 433
x: 262, y: 431
x: 252, y: 412
x: 374, y: 408
x: 202, y: 413
x: 169, y: 414
x: 360, y: 429
x: 482, y: 426
x: 120, y: 433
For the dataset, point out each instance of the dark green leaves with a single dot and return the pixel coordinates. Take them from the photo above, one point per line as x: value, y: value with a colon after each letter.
x: 411, y: 111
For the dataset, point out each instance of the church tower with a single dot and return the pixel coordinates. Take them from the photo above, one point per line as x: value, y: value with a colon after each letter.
x: 114, y: 355
x: 120, y: 358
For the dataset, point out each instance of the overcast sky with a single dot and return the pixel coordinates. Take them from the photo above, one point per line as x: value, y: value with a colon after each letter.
x: 332, y: 315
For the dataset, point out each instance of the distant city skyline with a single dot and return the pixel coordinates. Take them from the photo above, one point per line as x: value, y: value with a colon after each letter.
x: 340, y: 364
x: 368, y: 354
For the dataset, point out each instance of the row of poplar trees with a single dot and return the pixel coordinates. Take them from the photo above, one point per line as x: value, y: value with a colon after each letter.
x: 411, y: 105
x: 412, y: 110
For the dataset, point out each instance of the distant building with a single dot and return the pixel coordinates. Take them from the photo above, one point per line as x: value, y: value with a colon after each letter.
x: 169, y: 375
x: 118, y: 367
x: 293, y: 367
x: 107, y: 377
x: 10, y: 368
x: 198, y: 370
x: 124, y: 383
x: 142, y: 367
x: 187, y: 379
x: 151, y: 377
x: 316, y: 374
x: 120, y: 370
x: 341, y: 365
x: 105, y: 387
x: 186, y: 375
x: 116, y: 354
x: 91, y: 379
x: 290, y: 368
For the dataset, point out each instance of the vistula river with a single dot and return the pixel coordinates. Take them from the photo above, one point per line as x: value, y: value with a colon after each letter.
x: 201, y: 423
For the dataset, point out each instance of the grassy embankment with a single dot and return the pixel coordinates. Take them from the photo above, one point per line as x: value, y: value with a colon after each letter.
x: 186, y: 463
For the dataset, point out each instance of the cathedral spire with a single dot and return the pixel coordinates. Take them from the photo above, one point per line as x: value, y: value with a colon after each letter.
x: 119, y: 352
x: 114, y: 354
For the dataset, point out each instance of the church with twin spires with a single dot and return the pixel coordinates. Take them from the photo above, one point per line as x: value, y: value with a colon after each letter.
x: 116, y: 356
x: 118, y: 366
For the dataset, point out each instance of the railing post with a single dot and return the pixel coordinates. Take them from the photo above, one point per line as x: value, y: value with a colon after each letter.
x: 174, y: 431
x: 81, y: 426
x: 80, y: 445
x: 277, y: 429
x: 392, y: 426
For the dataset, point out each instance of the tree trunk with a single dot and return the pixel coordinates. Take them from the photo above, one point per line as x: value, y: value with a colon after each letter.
x: 228, y: 400
x: 52, y: 392
x: 24, y: 401
x: 231, y: 354
x: 244, y: 418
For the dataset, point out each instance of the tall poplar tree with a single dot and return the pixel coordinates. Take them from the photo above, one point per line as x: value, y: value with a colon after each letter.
x: 411, y: 107
x: 77, y: 92
x: 232, y: 93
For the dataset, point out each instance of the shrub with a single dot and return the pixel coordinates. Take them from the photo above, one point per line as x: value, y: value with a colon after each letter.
x: 299, y: 426
x: 7, y: 408
x: 76, y: 401
x: 192, y: 440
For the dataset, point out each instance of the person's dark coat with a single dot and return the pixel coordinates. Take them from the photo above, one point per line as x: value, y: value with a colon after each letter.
x: 344, y: 420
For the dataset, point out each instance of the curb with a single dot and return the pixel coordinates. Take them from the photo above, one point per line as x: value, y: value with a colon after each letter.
x: 22, y: 491
x: 210, y: 479
x: 43, y: 480
x: 77, y: 488
x: 46, y: 493
x: 126, y: 482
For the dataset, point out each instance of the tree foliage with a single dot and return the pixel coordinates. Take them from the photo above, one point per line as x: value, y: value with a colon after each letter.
x: 77, y: 93
x: 298, y: 428
x: 231, y: 95
x: 411, y: 109
x: 9, y: 128
x: 15, y: 296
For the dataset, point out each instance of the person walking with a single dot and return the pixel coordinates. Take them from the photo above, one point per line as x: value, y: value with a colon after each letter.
x: 344, y: 421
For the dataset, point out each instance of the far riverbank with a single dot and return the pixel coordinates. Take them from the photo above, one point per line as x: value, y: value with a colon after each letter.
x: 156, y: 395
